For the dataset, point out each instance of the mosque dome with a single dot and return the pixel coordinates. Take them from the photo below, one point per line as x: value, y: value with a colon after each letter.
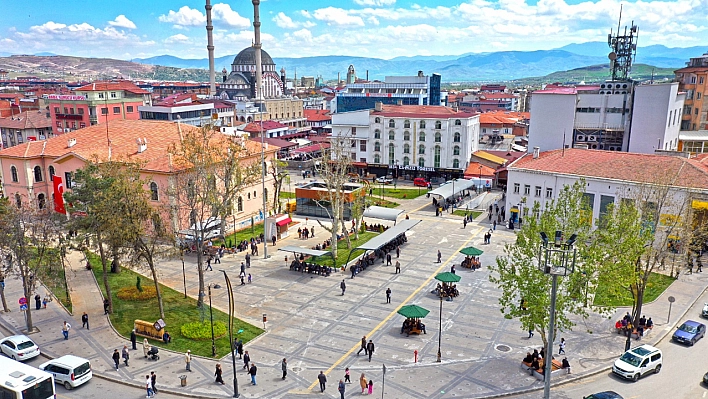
x: 247, y: 56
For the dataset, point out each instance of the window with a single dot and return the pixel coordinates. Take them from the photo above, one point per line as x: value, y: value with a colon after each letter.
x: 66, y: 110
x: 391, y: 123
x: 456, y: 138
x: 51, y: 172
x: 68, y: 182
x: 406, y: 161
x: 104, y: 111
x: 377, y: 134
x: 421, y: 149
x: 605, y: 201
x: 458, y: 122
x: 422, y: 124
x: 377, y: 120
x: 37, y: 174
x: 698, y: 95
x: 438, y: 125
x: 19, y: 137
x: 57, y: 110
x: 436, y: 160
x: 406, y: 149
x: 13, y: 172
x: 517, y: 187
x: 391, y: 135
x: 377, y: 146
x: 438, y: 137
x: 421, y: 136
x: 81, y: 111
x: 116, y: 110
x: 391, y: 153
x: 700, y: 80
x: 153, y: 191
x: 406, y: 136
x: 456, y: 150
x: 456, y: 163
x: 239, y: 204
x: 377, y: 158
x: 362, y: 145
x: 248, y: 196
x: 129, y: 108
x: 549, y: 192
x: 407, y: 124
x: 18, y: 201
x: 421, y: 162
x: 113, y: 94
x: 353, y: 144
x: 41, y: 201
x: 527, y: 189
x: 255, y: 194
x: 538, y: 191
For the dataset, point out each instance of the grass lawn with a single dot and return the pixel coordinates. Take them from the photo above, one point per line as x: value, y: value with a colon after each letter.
x: 343, y: 251
x: 657, y: 284
x: 381, y: 202
x: 461, y: 212
x: 178, y: 311
x: 287, y: 195
x: 241, y: 235
x: 399, y: 193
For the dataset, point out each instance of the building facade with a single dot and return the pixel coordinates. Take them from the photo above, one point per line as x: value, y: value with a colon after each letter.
x: 188, y: 109
x: 240, y: 85
x: 693, y: 79
x: 27, y: 126
x: 406, y: 90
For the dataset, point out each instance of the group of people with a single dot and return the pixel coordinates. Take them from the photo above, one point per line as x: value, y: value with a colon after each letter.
x: 410, y: 324
x: 472, y: 262
x: 304, y: 233
x: 535, y: 361
x: 446, y: 290
x: 311, y: 268
x: 321, y: 247
x: 376, y: 228
x: 626, y: 327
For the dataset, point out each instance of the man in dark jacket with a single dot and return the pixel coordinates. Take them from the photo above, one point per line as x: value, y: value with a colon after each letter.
x: 323, y: 380
x: 252, y: 371
x: 370, y: 348
x: 133, y: 340
x: 116, y: 358
x: 343, y: 286
x: 246, y: 360
x: 363, y: 346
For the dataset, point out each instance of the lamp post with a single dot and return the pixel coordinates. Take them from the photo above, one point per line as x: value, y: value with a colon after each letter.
x: 555, y: 258
x: 184, y: 275
x: 231, y: 329
x: 440, y: 332
x: 480, y: 178
x: 211, y: 320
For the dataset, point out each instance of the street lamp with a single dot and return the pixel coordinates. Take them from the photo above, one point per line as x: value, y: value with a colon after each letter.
x: 184, y: 275
x: 440, y: 331
x: 211, y: 320
x: 231, y: 329
x: 556, y: 258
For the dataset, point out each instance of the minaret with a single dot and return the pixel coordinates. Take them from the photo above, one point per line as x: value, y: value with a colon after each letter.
x: 210, y: 49
x: 257, y: 46
x: 282, y: 78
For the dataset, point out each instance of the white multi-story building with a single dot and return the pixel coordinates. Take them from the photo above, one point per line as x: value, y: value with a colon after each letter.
x: 409, y: 90
x: 436, y: 140
x: 614, y: 116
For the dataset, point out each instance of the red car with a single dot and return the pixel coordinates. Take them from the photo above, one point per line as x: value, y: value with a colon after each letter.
x: 420, y: 182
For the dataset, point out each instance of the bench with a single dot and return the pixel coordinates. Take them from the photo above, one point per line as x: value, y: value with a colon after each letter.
x: 413, y: 330
x: 556, y: 368
x: 149, y: 330
x: 635, y: 333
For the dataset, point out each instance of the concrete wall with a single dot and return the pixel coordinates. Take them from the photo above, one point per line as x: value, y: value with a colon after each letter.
x: 552, y: 115
x: 656, y: 120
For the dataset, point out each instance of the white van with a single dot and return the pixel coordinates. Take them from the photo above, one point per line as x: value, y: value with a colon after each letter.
x: 69, y: 370
x: 638, y: 361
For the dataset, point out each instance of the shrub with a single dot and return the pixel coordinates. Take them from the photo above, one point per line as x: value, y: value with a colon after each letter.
x: 132, y: 293
x: 138, y: 286
x: 200, y: 331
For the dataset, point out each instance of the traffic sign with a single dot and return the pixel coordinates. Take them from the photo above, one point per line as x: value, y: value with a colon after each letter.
x: 22, y: 301
x: 23, y: 307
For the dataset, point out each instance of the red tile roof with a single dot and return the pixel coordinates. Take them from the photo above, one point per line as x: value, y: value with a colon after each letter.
x: 317, y: 115
x: 27, y: 120
x: 113, y: 86
x: 421, y: 111
x: 473, y: 171
x: 502, y: 117
x: 255, y: 127
x: 632, y: 167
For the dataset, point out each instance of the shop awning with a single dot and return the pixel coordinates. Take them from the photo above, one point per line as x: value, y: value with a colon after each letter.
x: 388, y: 235
x: 451, y: 189
x: 284, y: 222
x: 379, y: 212
x: 300, y: 250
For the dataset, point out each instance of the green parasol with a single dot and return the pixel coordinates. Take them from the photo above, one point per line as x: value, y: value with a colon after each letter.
x: 448, y: 277
x: 471, y: 251
x: 413, y: 312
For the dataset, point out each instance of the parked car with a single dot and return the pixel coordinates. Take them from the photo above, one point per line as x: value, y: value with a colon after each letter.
x: 385, y: 179
x: 638, y: 361
x: 19, y: 347
x: 704, y: 313
x: 604, y: 395
x: 69, y: 370
x: 420, y: 182
x: 689, y: 332
x: 705, y: 378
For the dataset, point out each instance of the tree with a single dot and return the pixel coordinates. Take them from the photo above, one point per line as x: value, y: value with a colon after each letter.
x: 4, y: 258
x: 526, y: 289
x: 276, y: 170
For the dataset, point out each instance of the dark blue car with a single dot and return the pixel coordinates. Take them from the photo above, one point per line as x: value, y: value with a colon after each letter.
x: 604, y: 395
x: 689, y: 332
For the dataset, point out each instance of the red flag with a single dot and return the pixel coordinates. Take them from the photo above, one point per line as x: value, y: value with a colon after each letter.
x: 58, y: 195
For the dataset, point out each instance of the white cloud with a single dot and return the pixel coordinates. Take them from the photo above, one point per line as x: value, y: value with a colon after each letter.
x: 226, y: 16
x: 377, y: 3
x: 304, y: 35
x: 283, y: 21
x: 306, y: 14
x: 122, y: 21
x: 185, y: 16
x: 338, y: 17
x: 178, y: 38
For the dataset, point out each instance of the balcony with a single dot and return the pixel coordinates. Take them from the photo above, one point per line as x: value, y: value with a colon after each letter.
x: 70, y: 117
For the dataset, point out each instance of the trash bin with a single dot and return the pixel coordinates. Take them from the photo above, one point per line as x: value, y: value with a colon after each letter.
x: 183, y: 380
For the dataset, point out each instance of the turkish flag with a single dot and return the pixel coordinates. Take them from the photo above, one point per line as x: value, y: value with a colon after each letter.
x: 58, y: 195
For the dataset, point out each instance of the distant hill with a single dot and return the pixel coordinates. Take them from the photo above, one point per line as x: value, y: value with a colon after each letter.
x: 596, y: 74
x: 657, y: 54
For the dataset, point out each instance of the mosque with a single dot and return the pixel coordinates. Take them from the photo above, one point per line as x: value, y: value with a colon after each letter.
x: 239, y: 84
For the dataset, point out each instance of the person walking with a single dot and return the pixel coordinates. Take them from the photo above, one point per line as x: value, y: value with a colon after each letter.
x: 341, y: 388
x: 116, y: 357
x: 239, y: 348
x: 208, y: 266
x: 248, y: 260
x: 464, y: 223
x: 284, y: 366
x: 312, y: 231
x: 398, y: 267
x: 38, y: 301
x: 370, y: 349
x: 363, y: 346
x: 146, y: 347
x: 134, y: 340
x: 530, y: 333
x: 495, y: 225
x: 347, y: 377
x: 388, y: 259
x: 153, y: 380
x: 452, y: 269
x: 125, y: 355
x: 371, y: 387
x: 242, y: 276
x: 188, y: 360
x: 217, y: 258
x: 388, y: 295
x: 85, y: 321
x: 246, y: 360
x: 363, y: 383
x: 561, y: 347
x: 218, y: 373
x: 322, y: 378
x: 252, y: 371
x: 148, y: 386
x: 398, y: 251
x: 65, y: 330
x: 439, y: 257
x: 343, y: 286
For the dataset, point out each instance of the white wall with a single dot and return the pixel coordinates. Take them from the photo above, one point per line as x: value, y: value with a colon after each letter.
x: 551, y: 116
x: 656, y: 119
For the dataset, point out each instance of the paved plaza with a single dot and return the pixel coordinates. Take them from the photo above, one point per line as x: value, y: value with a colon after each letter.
x: 317, y: 329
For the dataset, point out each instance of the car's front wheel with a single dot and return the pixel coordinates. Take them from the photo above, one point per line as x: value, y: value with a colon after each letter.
x: 657, y: 369
x: 635, y: 377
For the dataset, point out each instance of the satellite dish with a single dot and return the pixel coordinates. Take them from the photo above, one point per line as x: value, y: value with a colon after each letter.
x: 612, y: 56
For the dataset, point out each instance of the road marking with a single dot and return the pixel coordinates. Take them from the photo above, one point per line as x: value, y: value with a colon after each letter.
x: 394, y: 312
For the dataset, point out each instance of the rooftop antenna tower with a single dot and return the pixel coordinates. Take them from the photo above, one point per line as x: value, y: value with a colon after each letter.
x: 624, y: 50
x: 210, y: 49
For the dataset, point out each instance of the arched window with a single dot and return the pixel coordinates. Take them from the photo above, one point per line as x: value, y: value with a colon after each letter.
x: 391, y: 135
x: 239, y: 204
x: 377, y: 146
x: 406, y: 161
x: 438, y: 137
x: 153, y: 191
x: 248, y: 196
x: 406, y: 136
x: 51, y: 173
x: 456, y: 163
x: 391, y: 123
x: 406, y: 124
x: 421, y: 136
x: 13, y: 172
x: 377, y: 120
x: 41, y: 201
x: 406, y: 148
x: 456, y: 138
x: 456, y: 150
x: 436, y: 160
x: 421, y: 162
x: 421, y: 149
x: 377, y: 134
x: 458, y: 122
x: 422, y: 124
x: 18, y: 200
x: 391, y: 153
x: 377, y: 158
x: 438, y: 125
x: 255, y: 194
x: 37, y: 174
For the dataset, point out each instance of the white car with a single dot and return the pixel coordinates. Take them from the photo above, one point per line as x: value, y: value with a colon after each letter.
x: 19, y: 347
x: 704, y: 313
x: 384, y: 179
x: 69, y: 370
x: 638, y: 361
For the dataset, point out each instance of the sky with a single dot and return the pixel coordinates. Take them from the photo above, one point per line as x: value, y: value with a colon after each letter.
x: 385, y: 29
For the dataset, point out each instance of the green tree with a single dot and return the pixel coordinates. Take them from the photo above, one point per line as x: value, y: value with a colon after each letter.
x: 516, y: 271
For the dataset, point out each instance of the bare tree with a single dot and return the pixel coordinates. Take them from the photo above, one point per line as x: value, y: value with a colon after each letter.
x: 277, y: 170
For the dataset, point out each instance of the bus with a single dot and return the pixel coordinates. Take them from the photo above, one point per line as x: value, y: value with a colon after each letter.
x: 22, y: 381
